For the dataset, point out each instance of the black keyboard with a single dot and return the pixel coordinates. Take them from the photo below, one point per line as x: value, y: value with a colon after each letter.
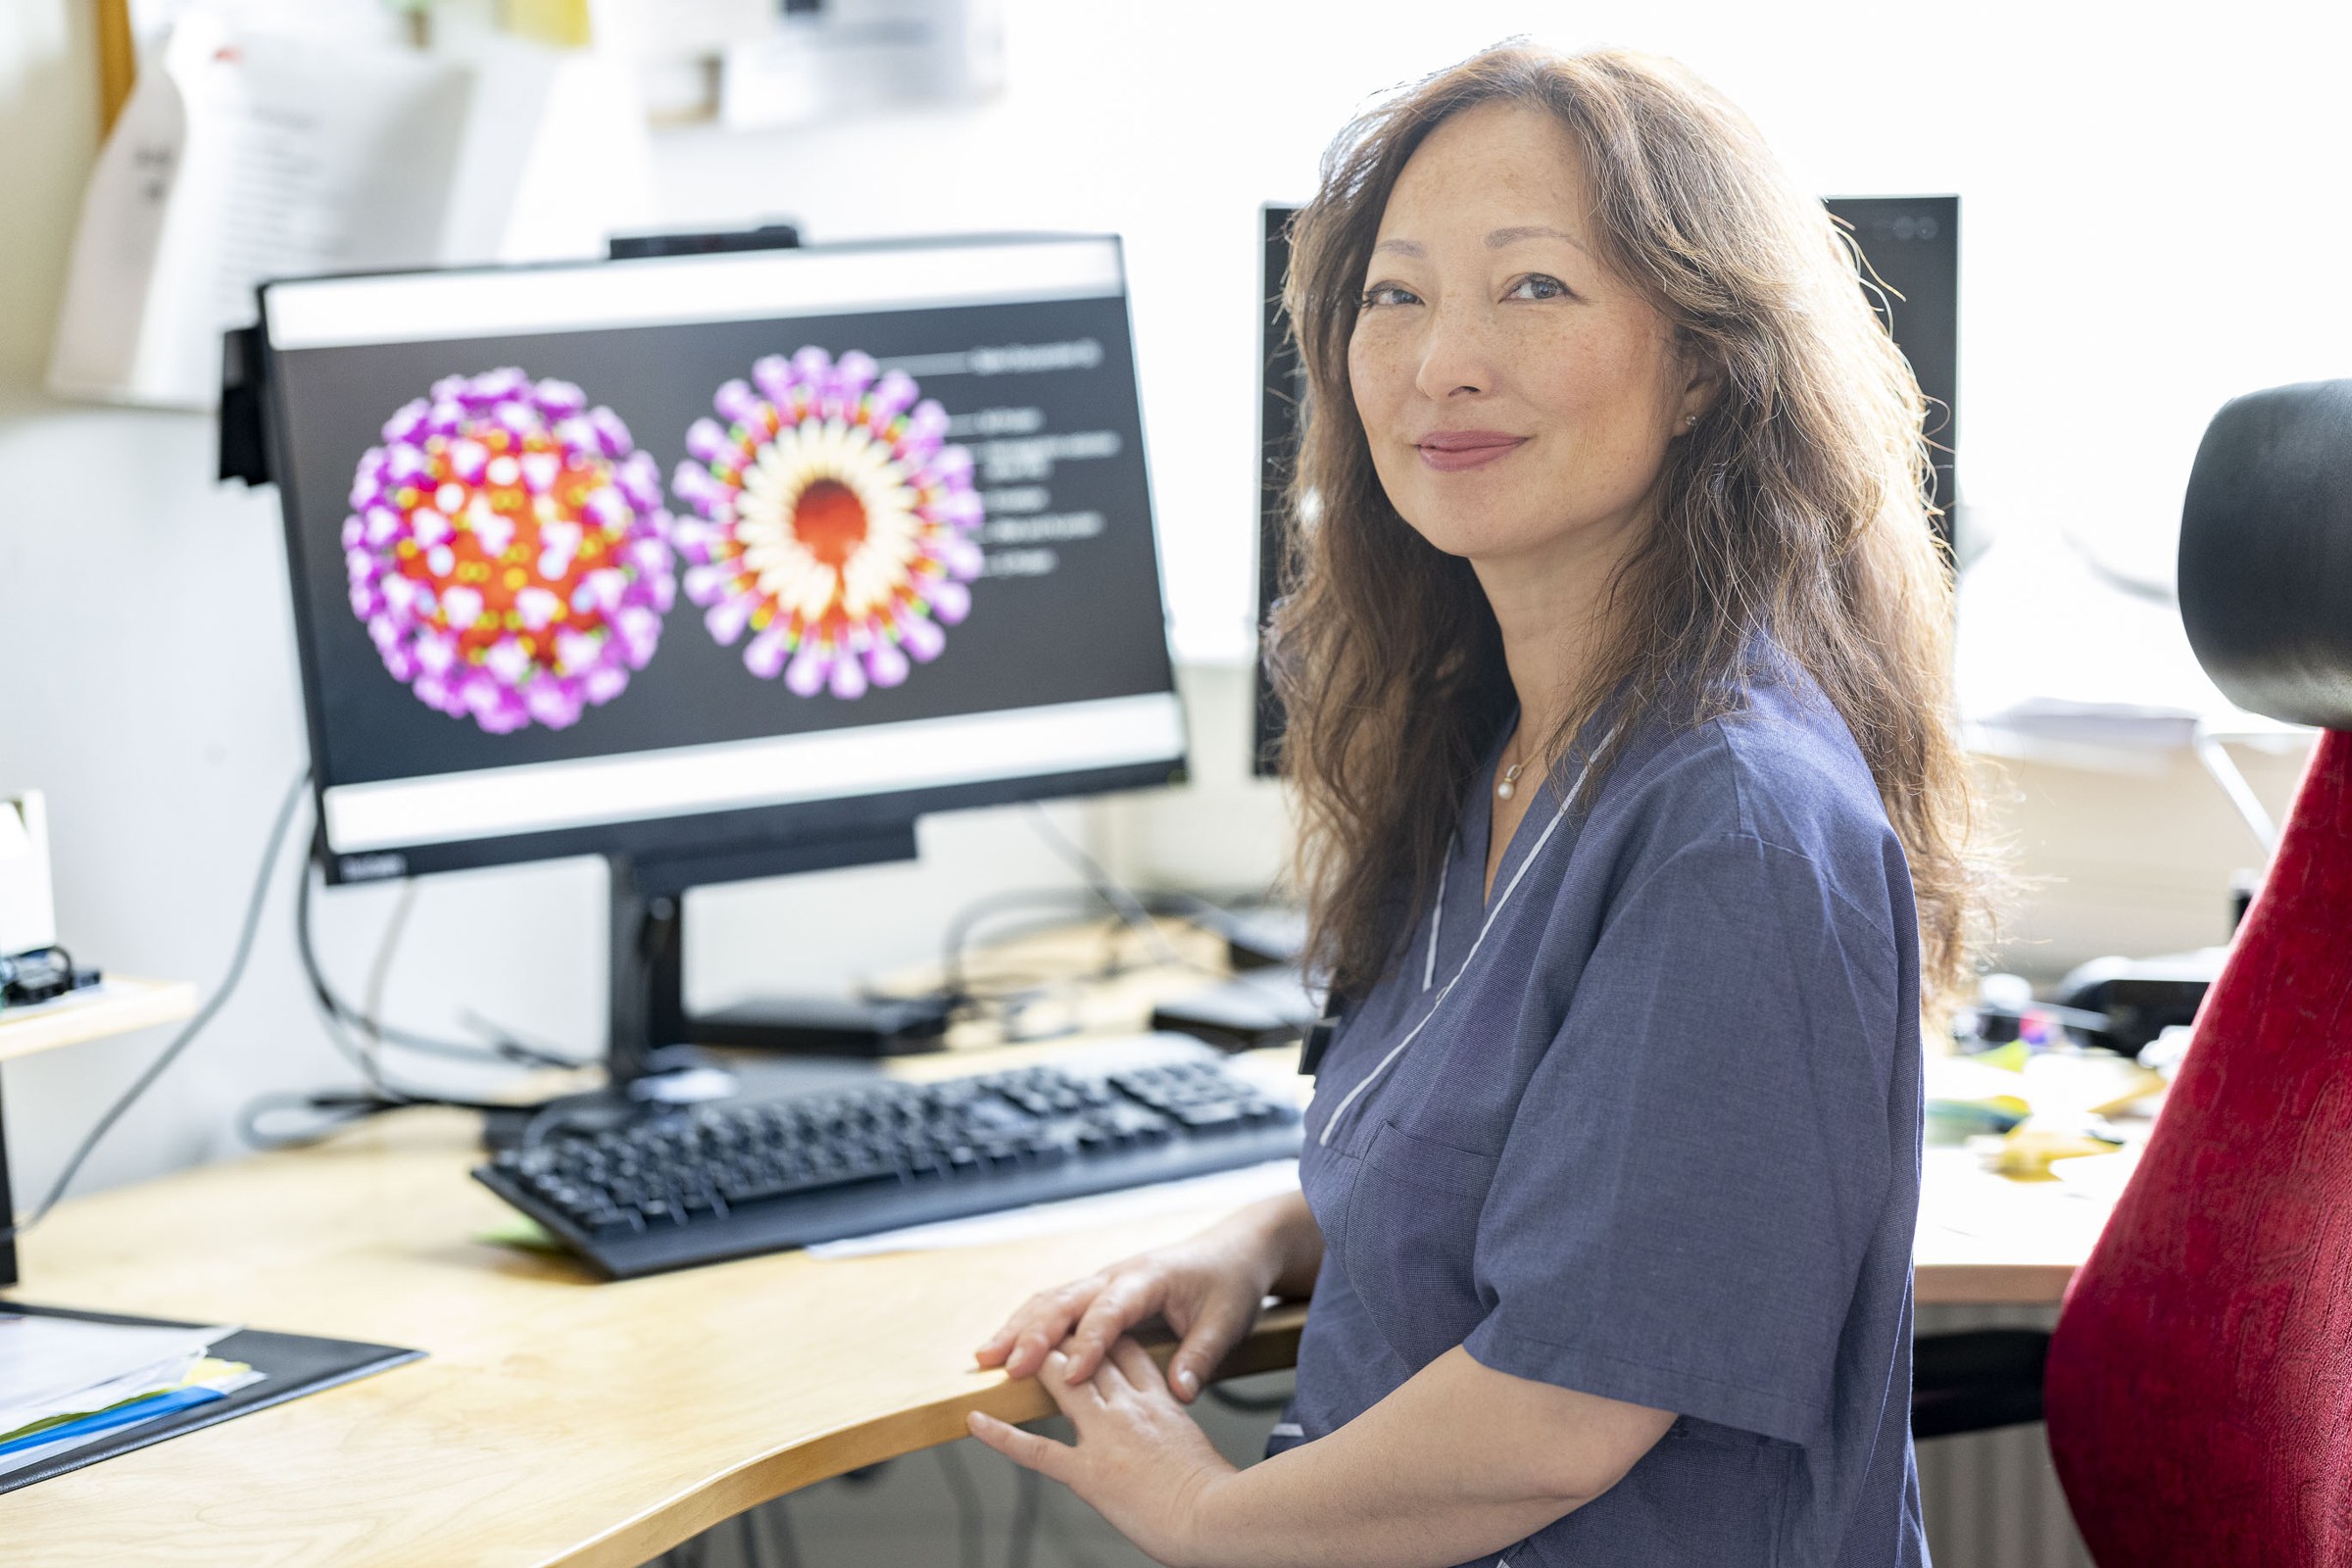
x: 735, y: 1178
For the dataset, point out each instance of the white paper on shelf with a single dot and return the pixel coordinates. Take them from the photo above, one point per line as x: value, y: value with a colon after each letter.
x: 47, y: 1364
x: 240, y: 157
x: 27, y: 902
x: 246, y: 154
x: 365, y: 21
x: 1228, y: 1188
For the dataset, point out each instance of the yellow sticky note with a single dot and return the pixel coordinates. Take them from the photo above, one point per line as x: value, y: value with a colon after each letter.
x: 2028, y: 1148
x: 562, y: 24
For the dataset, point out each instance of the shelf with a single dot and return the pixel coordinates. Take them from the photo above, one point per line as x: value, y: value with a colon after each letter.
x: 115, y: 1007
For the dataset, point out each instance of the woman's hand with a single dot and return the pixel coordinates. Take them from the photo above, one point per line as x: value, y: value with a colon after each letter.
x: 1208, y: 1288
x: 1140, y: 1462
x: 1454, y: 1466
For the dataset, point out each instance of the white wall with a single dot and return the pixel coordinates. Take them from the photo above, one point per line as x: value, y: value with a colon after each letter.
x: 2150, y: 214
x: 2151, y: 226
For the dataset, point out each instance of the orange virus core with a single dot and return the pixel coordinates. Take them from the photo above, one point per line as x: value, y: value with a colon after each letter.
x: 829, y: 520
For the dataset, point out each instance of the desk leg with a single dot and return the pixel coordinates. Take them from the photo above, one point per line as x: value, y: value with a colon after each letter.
x: 8, y: 1209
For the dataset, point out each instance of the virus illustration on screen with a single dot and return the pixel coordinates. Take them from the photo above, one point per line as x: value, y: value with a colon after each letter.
x: 509, y: 550
x: 836, y: 527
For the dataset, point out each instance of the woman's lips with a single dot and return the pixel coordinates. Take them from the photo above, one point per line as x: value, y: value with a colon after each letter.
x: 1452, y: 451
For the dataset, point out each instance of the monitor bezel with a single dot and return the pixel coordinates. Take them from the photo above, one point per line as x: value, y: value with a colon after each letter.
x: 706, y: 834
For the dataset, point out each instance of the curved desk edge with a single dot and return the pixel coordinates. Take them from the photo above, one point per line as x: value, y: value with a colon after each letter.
x: 1272, y: 1346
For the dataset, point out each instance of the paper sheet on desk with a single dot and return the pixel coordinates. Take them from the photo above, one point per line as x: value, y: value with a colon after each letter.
x: 1221, y: 1189
x: 47, y: 1362
x: 207, y: 1381
x: 1959, y: 1197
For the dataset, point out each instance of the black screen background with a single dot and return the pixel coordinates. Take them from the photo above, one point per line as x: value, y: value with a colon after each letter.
x: 1094, y: 627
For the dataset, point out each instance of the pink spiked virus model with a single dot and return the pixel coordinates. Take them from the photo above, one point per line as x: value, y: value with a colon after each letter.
x: 508, y: 552
x: 835, y: 526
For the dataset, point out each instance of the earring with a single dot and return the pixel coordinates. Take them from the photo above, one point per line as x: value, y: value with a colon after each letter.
x: 1689, y: 420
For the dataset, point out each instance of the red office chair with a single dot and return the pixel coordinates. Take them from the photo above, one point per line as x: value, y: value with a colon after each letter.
x: 2198, y: 1387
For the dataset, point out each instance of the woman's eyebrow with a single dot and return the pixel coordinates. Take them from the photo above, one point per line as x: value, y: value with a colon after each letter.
x: 1403, y: 247
x: 1512, y: 237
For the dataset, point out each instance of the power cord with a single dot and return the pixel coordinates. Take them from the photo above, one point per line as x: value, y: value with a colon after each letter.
x: 957, y: 941
x: 361, y: 1035
x: 195, y: 1026
x: 341, y: 1016
x: 1108, y: 889
x: 387, y: 948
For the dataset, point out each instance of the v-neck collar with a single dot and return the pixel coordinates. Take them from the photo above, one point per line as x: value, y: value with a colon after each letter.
x: 1472, y: 840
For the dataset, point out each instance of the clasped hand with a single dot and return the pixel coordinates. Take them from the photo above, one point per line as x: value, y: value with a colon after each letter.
x: 1140, y: 1460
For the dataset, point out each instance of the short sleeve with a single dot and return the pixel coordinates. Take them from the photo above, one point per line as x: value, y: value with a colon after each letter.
x: 1699, y: 1162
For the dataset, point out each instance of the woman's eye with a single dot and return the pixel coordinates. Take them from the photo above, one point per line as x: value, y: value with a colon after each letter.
x: 1536, y: 286
x: 1387, y: 294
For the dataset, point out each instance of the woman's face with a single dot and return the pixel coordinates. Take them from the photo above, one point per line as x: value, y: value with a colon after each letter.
x: 1518, y: 395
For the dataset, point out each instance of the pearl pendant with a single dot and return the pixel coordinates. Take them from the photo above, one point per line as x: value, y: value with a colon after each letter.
x: 1506, y: 790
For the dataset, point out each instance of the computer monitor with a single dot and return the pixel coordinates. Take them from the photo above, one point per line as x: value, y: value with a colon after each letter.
x: 718, y: 566
x: 1281, y: 414
x: 1912, y: 244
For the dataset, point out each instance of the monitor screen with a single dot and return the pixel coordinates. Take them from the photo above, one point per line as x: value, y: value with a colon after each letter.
x: 1913, y: 244
x: 1280, y: 411
x: 656, y: 557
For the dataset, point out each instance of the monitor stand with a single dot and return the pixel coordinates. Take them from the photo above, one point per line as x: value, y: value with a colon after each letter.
x: 651, y: 1058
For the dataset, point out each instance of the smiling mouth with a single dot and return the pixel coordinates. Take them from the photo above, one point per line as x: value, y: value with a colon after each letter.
x: 1451, y: 451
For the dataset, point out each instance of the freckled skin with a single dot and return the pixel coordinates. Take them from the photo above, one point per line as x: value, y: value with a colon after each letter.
x: 1489, y: 308
x: 1534, y: 338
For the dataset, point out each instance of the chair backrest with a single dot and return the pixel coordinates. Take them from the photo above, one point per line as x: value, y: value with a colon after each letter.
x: 2199, y: 1384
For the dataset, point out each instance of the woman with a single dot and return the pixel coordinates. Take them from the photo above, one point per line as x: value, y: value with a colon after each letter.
x: 1615, y: 671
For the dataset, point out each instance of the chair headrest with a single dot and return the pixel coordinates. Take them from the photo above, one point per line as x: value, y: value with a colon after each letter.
x: 2266, y: 553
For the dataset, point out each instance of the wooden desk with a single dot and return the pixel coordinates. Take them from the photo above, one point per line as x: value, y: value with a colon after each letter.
x: 558, y: 1421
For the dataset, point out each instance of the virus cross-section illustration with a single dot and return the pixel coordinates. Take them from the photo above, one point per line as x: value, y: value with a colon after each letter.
x: 836, y: 527
x: 508, y: 552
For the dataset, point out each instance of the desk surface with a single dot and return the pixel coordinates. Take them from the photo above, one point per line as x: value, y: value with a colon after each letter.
x: 559, y: 1421
x: 556, y: 1421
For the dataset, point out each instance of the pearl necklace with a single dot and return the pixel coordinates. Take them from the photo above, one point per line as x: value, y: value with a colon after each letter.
x: 1508, y: 785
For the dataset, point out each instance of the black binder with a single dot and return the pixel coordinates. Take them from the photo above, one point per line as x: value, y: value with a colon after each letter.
x: 292, y: 1364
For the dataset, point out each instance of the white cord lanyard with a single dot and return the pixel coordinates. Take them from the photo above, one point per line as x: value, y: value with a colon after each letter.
x: 1428, y: 967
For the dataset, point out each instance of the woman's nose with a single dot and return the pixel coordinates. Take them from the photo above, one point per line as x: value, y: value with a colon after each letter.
x: 1456, y: 353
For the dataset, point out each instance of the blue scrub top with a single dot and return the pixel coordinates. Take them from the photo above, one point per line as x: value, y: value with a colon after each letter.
x: 1659, y: 1141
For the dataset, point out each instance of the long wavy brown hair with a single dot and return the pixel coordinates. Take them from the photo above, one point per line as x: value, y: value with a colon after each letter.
x: 1796, y: 510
